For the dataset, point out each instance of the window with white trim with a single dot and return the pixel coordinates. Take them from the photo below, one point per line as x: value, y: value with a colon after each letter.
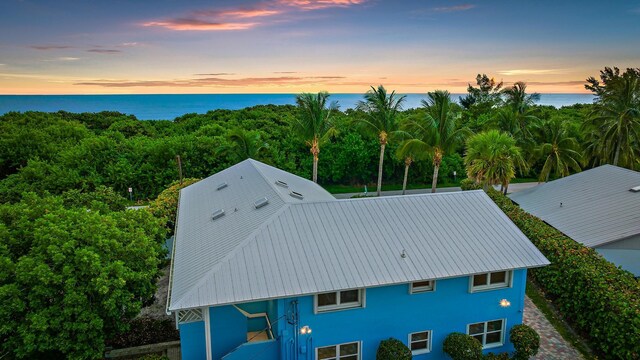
x: 489, y: 333
x: 420, y: 342
x: 422, y: 286
x: 492, y: 280
x: 348, y: 351
x: 338, y: 300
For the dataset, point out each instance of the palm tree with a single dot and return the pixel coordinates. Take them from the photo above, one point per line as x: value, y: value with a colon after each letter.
x: 615, y: 120
x: 516, y: 116
x: 438, y: 133
x: 242, y: 144
x: 560, y: 150
x: 492, y: 157
x: 405, y: 154
x: 314, y: 123
x: 381, y: 118
x: 517, y: 99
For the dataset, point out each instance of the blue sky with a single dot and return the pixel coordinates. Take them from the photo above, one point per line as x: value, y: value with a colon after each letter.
x: 172, y: 46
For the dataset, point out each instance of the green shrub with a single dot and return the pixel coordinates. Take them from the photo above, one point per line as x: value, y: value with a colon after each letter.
x: 462, y: 347
x: 599, y: 300
x: 153, y: 357
x: 499, y: 356
x: 470, y: 184
x: 525, y: 340
x: 393, y: 349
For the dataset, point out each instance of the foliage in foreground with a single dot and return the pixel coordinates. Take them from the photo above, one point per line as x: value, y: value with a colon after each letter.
x: 393, y: 349
x: 461, y: 346
x: 525, y: 340
x: 165, y: 206
x: 598, y: 299
x: 71, y: 276
x: 143, y: 331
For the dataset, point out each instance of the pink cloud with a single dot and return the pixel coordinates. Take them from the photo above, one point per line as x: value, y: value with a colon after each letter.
x: 187, y: 24
x: 238, y: 13
x: 235, y: 18
x: 463, y: 7
x: 319, y: 4
x: 104, y: 51
x: 213, y: 81
x: 50, y: 47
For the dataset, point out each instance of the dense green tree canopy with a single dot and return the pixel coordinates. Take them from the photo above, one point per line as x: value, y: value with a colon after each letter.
x: 70, y: 276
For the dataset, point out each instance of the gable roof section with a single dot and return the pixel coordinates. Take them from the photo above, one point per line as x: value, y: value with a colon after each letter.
x: 327, y: 245
x: 597, y: 206
x: 201, y: 243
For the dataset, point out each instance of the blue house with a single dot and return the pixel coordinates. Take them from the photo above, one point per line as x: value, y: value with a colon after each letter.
x: 267, y: 265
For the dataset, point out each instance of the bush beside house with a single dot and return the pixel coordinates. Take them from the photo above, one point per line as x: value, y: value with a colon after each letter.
x: 393, y: 349
x: 525, y: 340
x: 462, y: 347
x: 600, y: 300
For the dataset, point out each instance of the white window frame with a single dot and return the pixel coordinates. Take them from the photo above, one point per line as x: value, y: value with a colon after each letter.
x: 422, y: 289
x: 421, y: 351
x: 337, y: 346
x: 329, y: 308
x: 507, y: 284
x: 484, y: 333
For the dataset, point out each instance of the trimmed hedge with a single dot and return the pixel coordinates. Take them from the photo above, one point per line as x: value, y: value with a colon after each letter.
x: 525, y: 340
x: 393, y: 349
x: 461, y: 346
x: 598, y: 299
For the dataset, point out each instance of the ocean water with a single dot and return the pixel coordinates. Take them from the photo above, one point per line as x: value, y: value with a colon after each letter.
x: 168, y: 107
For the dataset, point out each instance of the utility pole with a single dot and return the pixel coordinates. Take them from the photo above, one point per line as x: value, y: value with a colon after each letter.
x: 179, y: 167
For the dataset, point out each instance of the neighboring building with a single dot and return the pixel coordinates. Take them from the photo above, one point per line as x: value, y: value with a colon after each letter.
x: 599, y: 208
x: 268, y: 265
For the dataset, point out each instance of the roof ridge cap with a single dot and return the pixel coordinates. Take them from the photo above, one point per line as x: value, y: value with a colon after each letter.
x: 229, y: 256
x: 273, y: 186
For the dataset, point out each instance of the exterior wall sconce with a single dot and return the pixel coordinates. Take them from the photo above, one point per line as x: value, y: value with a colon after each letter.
x: 305, y: 330
x: 505, y: 303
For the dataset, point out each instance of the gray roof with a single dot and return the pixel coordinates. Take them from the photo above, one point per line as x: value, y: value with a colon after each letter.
x: 294, y: 247
x: 597, y: 206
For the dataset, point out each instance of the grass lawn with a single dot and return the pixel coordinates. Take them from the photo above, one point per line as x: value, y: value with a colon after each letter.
x: 567, y: 333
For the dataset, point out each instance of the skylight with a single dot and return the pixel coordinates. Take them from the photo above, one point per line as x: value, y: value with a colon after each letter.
x: 296, y: 195
x: 261, y: 202
x: 222, y: 186
x: 282, y: 183
x: 217, y: 214
x: 635, y: 189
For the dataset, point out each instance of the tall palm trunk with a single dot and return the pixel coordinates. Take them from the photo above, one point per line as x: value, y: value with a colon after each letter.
x: 616, y: 157
x: 407, y: 163
x: 315, y: 150
x: 383, y: 144
x: 437, y: 160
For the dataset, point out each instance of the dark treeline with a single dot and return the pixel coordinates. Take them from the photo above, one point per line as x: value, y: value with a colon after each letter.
x: 56, y: 152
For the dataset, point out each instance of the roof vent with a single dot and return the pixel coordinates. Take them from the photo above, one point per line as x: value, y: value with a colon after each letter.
x: 296, y: 195
x: 282, y: 183
x: 635, y: 189
x: 261, y: 202
x: 217, y: 214
x: 222, y: 186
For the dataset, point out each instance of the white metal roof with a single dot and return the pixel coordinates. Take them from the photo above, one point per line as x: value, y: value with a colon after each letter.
x: 292, y: 247
x: 597, y: 206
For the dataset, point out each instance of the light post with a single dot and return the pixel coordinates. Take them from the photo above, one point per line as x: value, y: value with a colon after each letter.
x: 131, y: 194
x: 454, y: 175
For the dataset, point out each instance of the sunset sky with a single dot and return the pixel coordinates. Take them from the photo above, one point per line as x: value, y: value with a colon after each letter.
x: 290, y: 46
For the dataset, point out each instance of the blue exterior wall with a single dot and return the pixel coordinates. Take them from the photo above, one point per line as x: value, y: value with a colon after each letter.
x: 263, y: 350
x: 390, y: 311
x: 228, y: 330
x: 192, y: 340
